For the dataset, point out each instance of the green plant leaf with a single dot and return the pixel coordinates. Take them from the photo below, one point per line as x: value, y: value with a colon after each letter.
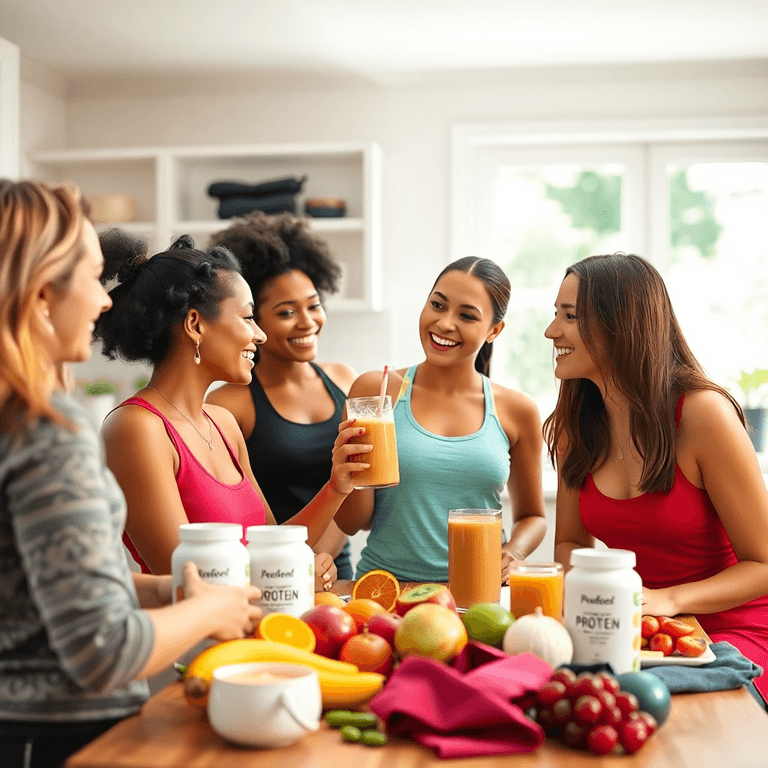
x: 101, y: 387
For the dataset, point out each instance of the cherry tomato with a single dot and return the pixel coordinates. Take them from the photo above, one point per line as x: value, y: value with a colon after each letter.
x: 627, y: 702
x: 662, y: 642
x: 575, y: 735
x: 587, y: 684
x: 674, y: 628
x: 690, y: 646
x: 551, y: 692
x: 587, y: 709
x: 649, y: 627
x: 610, y: 683
x: 633, y: 734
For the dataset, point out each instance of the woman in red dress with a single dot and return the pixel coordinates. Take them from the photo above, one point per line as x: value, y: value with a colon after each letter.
x: 654, y: 457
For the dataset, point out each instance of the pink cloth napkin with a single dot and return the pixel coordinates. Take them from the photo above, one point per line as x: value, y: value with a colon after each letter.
x: 471, y: 708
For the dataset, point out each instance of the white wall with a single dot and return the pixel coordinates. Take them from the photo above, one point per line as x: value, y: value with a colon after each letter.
x: 412, y: 124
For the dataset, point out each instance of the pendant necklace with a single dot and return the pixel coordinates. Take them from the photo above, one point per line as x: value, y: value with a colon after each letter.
x: 619, y: 455
x: 208, y: 440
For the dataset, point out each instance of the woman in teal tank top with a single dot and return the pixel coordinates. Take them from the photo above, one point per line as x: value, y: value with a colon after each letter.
x: 460, y: 438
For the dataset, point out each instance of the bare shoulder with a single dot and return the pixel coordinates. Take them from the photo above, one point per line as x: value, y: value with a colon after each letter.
x: 515, y: 405
x: 707, y: 412
x: 369, y: 384
x: 341, y: 374
x: 230, y: 396
x: 224, y: 419
x: 132, y: 425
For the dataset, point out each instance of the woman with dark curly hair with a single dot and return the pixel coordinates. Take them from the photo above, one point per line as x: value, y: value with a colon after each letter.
x: 290, y: 411
x: 189, y: 313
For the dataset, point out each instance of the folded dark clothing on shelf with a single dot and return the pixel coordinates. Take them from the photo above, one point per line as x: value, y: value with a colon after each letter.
x: 224, y: 189
x: 240, y: 206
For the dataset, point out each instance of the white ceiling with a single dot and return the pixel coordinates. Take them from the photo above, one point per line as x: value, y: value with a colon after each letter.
x: 387, y: 42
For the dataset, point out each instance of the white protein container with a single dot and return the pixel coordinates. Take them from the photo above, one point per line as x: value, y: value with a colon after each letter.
x: 603, y: 597
x: 216, y: 550
x: 283, y: 567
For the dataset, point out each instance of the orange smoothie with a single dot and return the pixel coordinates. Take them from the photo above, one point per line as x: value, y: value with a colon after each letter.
x: 474, y: 556
x: 384, y: 470
x: 536, y: 585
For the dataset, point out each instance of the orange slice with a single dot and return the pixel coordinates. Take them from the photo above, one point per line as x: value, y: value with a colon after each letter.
x: 290, y: 630
x: 362, y: 609
x: 328, y: 598
x: 378, y: 585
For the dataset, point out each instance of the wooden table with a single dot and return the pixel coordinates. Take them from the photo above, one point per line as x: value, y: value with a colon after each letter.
x: 704, y: 730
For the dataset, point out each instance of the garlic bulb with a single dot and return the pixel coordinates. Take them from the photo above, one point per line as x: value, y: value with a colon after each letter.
x: 540, y: 635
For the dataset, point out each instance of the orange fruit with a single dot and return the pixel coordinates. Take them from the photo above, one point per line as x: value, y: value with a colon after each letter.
x: 380, y: 586
x: 362, y: 609
x: 328, y: 598
x: 290, y: 630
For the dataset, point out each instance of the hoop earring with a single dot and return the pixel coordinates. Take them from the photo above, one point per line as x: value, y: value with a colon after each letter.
x: 197, y: 353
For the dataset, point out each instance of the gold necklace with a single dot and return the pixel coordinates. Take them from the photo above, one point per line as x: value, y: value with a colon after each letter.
x: 208, y: 441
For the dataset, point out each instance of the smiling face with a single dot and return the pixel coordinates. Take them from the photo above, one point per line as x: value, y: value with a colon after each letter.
x: 228, y: 343
x: 457, y: 319
x: 74, y: 308
x: 291, y: 315
x: 572, y: 358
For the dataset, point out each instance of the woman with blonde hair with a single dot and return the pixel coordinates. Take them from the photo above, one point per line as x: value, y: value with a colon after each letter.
x: 78, y: 631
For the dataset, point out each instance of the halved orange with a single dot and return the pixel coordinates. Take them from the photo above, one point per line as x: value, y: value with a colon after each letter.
x: 361, y: 609
x: 328, y: 598
x: 378, y: 585
x: 282, y: 628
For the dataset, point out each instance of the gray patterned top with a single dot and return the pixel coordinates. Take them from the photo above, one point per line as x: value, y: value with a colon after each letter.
x: 72, y: 634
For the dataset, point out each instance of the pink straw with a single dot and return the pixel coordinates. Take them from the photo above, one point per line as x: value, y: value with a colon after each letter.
x: 383, y: 391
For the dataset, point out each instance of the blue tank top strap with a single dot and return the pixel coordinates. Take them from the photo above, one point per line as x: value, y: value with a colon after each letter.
x: 405, y: 387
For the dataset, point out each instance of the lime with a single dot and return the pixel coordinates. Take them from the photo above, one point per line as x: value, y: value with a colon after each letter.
x: 487, y: 622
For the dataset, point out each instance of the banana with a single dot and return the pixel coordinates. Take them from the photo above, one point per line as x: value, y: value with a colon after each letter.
x: 340, y: 682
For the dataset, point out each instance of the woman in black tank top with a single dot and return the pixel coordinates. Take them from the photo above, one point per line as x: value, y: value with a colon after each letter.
x: 290, y: 413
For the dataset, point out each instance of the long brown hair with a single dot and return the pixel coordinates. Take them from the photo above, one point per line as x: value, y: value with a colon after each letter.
x: 41, y: 242
x: 627, y: 323
x: 498, y: 288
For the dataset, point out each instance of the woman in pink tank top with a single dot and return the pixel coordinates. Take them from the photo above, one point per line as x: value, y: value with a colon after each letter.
x: 653, y: 457
x: 189, y: 314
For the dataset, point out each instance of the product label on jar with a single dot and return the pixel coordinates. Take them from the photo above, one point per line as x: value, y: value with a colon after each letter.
x: 605, y: 628
x: 285, y: 589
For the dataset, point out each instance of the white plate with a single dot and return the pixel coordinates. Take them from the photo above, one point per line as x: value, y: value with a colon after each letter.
x: 680, y: 661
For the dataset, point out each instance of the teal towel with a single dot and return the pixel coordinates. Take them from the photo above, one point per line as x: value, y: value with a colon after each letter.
x: 730, y: 669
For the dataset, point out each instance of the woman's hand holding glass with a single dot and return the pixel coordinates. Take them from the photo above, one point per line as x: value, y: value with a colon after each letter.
x: 342, y: 476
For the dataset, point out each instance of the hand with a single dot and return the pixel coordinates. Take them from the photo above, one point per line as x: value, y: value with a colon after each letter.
x: 659, y: 602
x: 325, y: 572
x: 506, y: 559
x: 342, y: 476
x: 228, y: 607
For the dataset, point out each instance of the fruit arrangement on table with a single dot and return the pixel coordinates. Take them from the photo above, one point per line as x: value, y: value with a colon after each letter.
x: 662, y: 635
x: 355, y: 646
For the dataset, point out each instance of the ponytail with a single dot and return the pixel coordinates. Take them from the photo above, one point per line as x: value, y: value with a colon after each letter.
x: 483, y: 359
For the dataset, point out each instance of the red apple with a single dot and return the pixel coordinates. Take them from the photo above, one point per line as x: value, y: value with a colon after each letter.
x: 438, y: 594
x: 432, y: 631
x: 369, y: 652
x: 332, y: 627
x: 385, y: 625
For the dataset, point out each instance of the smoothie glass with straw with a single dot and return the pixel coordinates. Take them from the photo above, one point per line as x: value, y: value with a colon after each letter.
x: 376, y: 415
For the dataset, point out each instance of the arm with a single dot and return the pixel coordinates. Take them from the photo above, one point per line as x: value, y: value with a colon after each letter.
x: 236, y: 398
x: 320, y: 511
x: 522, y: 425
x: 713, y: 439
x: 570, y: 533
x: 61, y: 504
x: 153, y: 591
x: 144, y: 461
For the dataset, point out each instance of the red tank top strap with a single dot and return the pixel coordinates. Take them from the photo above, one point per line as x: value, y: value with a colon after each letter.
x: 679, y: 411
x: 176, y: 439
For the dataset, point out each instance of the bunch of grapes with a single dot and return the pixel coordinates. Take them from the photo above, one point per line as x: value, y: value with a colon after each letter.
x: 590, y: 711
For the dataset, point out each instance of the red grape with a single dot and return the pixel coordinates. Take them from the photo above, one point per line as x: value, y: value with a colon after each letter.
x: 633, y: 734
x: 610, y: 683
x: 602, y: 739
x: 551, y: 692
x: 587, y: 709
x: 575, y: 735
x: 561, y: 712
x: 611, y: 716
x: 627, y: 703
x: 586, y: 685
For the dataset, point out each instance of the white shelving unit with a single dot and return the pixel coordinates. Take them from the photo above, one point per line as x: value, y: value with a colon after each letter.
x: 170, y: 186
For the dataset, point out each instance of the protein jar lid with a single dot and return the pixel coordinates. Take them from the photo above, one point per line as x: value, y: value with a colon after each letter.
x: 275, y: 534
x: 603, y: 558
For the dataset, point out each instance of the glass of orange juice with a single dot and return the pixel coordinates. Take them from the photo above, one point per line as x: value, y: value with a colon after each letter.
x: 474, y: 556
x: 536, y: 585
x: 378, y: 419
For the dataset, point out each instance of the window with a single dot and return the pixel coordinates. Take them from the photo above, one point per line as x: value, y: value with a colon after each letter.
x: 693, y: 199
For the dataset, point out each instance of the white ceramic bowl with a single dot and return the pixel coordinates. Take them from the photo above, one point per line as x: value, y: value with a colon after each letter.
x: 280, y: 704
